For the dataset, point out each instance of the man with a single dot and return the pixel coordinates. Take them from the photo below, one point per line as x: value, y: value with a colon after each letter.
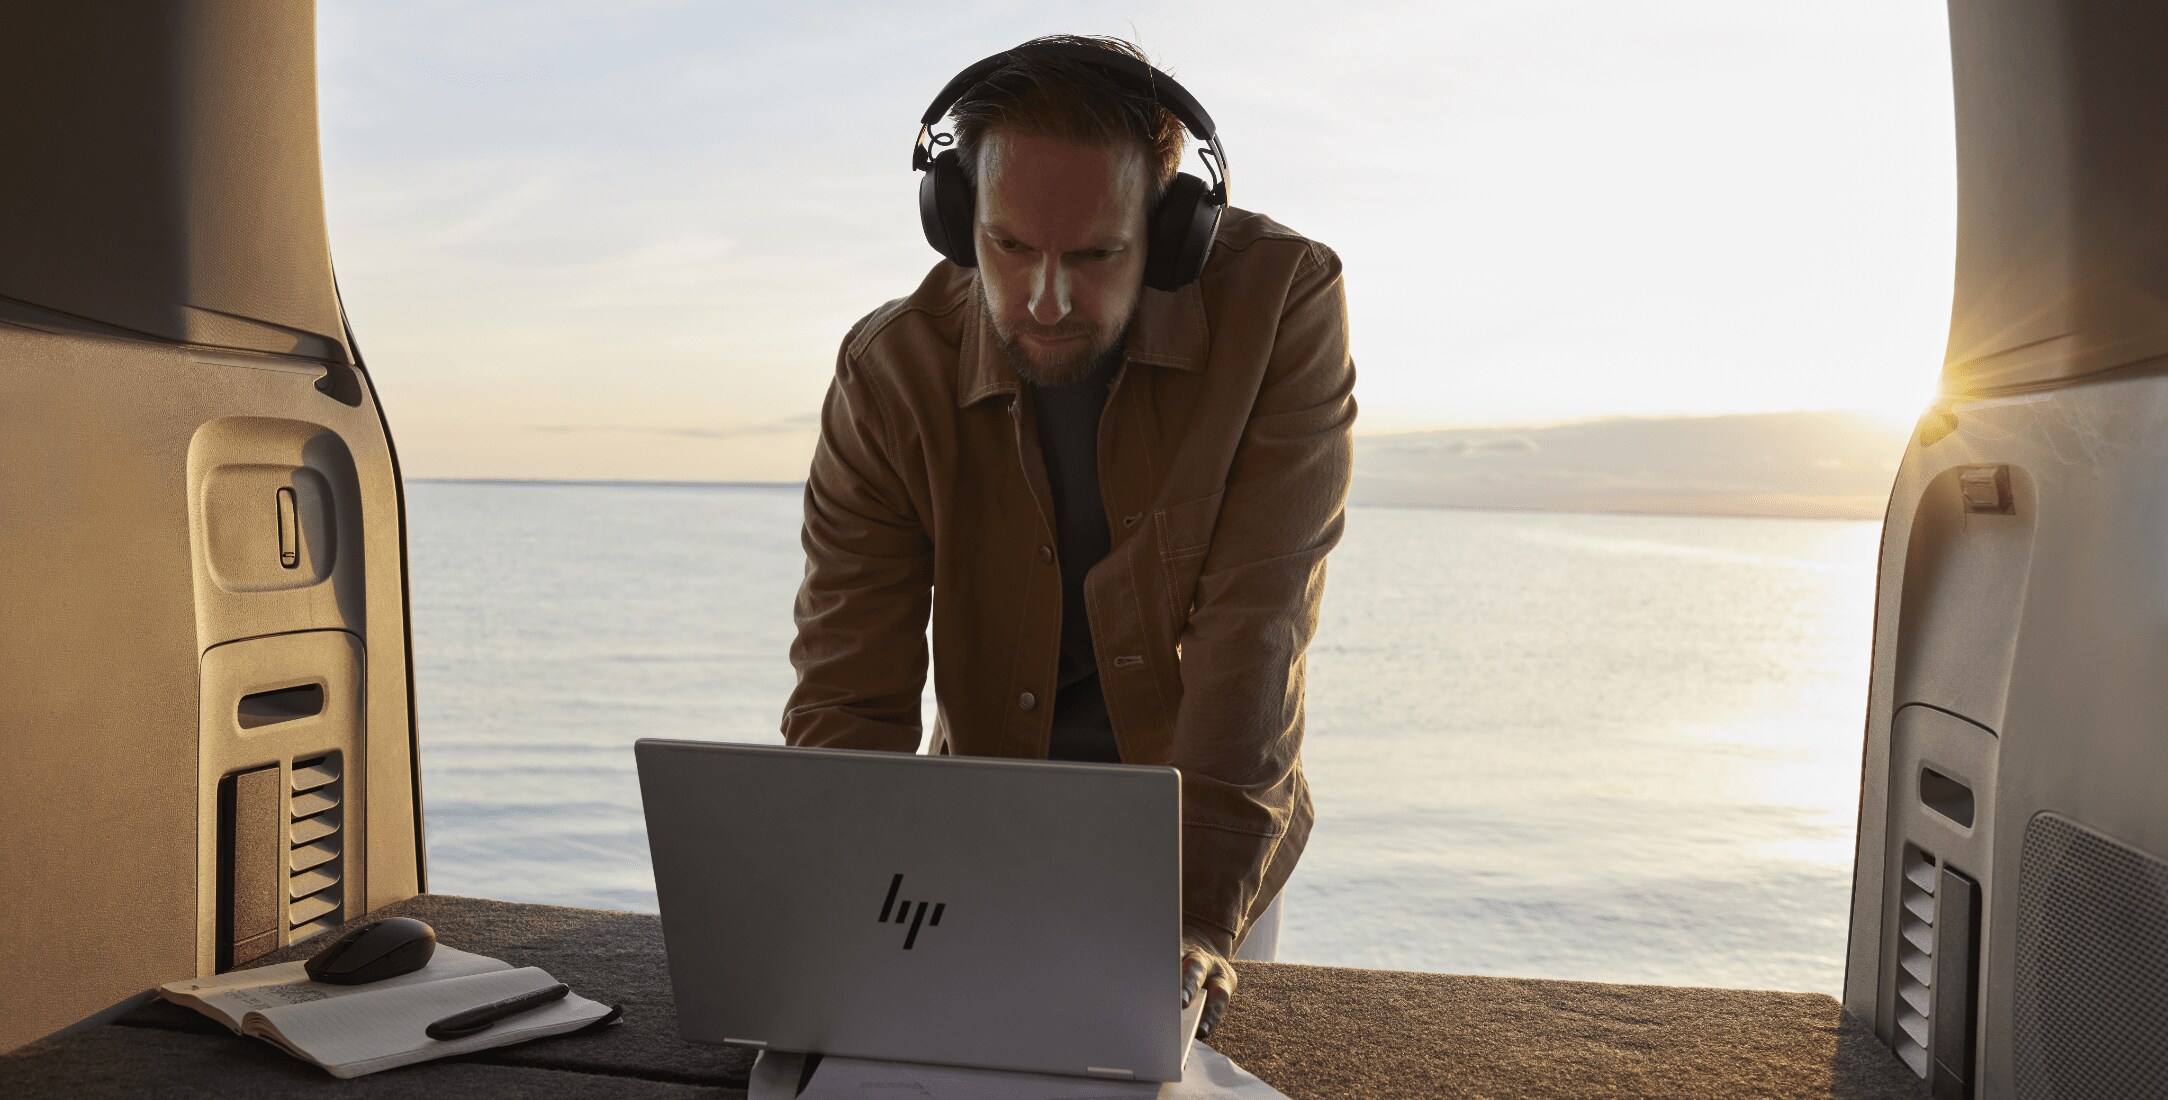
x: 1114, y: 501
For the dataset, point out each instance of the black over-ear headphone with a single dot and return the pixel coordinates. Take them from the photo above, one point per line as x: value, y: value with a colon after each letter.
x: 1181, y: 225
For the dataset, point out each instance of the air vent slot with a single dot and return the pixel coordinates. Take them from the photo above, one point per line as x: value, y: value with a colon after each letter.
x: 1915, y: 959
x: 311, y: 803
x: 318, y: 773
x: 315, y: 847
x: 314, y: 829
x: 266, y: 708
x: 305, y: 856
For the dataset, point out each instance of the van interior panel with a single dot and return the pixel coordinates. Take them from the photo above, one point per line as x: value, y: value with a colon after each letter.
x: 2014, y: 745
x: 2060, y: 173
x: 203, y: 661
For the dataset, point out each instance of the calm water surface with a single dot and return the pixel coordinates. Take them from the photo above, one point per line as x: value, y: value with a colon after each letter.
x: 1613, y: 748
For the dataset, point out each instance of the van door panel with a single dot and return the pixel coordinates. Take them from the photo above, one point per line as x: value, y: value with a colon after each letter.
x: 144, y: 598
x: 2018, y: 659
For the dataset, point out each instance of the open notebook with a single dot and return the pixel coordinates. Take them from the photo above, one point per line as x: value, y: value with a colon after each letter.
x: 350, y: 1030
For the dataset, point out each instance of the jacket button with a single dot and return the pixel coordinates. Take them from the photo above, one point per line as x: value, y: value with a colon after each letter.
x: 1046, y: 553
x: 1027, y: 700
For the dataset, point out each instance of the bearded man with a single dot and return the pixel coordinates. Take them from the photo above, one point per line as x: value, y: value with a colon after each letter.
x: 1115, y: 500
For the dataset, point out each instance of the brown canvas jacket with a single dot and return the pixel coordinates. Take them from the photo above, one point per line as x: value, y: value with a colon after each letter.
x: 1224, y: 454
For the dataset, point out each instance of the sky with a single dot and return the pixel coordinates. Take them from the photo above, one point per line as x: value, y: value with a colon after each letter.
x: 623, y: 240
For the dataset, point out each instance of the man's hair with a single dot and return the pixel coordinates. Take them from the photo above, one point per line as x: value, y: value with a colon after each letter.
x: 1070, y: 101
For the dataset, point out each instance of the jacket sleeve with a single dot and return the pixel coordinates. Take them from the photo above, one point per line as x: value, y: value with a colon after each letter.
x: 861, y: 610
x: 1238, y: 731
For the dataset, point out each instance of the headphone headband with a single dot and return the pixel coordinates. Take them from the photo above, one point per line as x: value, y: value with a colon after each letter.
x: 1138, y: 75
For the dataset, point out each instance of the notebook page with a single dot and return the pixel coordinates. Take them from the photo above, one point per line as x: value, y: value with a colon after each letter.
x: 383, y: 1028
x: 230, y: 996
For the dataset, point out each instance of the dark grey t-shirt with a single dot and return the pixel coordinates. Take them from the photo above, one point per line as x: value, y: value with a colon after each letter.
x: 1068, y: 421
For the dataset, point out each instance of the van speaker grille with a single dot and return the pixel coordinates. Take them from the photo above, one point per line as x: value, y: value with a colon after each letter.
x: 2091, y: 994
x: 315, y: 842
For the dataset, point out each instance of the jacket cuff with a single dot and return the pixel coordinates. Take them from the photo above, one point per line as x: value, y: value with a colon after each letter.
x: 1229, y: 875
x: 1222, y: 874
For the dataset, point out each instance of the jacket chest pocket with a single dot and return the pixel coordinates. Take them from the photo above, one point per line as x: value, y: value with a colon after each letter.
x: 1184, y: 533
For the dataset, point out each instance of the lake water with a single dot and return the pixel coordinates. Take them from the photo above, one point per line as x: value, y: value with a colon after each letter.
x: 1611, y: 748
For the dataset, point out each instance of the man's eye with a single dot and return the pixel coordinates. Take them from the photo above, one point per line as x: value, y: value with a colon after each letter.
x: 1100, y: 253
x: 1006, y: 245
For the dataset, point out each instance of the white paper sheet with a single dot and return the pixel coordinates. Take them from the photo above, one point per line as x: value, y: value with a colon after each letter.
x: 775, y: 1076
x: 351, y: 1030
x: 1209, y: 1076
x: 230, y: 996
x: 382, y: 1028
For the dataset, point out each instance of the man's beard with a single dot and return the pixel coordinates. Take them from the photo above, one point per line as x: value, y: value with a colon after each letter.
x: 1086, y: 359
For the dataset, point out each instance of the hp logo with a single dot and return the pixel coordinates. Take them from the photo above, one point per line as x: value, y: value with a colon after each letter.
x: 903, y: 910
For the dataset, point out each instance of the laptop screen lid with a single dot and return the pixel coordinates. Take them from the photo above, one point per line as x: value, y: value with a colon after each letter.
x: 1006, y: 914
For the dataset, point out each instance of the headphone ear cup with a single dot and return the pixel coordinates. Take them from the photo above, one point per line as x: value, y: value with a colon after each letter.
x: 1182, y: 230
x: 946, y: 206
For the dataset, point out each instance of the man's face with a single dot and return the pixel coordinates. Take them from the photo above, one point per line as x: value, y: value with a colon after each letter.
x: 1061, y: 240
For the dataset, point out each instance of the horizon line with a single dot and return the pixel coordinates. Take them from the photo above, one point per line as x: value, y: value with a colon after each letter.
x: 645, y: 482
x: 651, y: 483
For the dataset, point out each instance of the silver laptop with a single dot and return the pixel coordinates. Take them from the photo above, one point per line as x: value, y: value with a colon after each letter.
x: 1004, y: 914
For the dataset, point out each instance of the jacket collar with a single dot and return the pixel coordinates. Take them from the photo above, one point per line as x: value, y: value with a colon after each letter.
x: 1168, y: 329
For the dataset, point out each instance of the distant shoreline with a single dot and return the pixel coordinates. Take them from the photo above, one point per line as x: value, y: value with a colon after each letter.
x: 1832, y: 464
x: 797, y: 486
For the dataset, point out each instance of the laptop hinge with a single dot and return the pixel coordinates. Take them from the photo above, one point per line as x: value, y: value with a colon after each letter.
x: 1102, y: 1071
x: 746, y: 1042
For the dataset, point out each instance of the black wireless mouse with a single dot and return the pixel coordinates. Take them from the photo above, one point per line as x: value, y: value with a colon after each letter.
x: 373, y: 952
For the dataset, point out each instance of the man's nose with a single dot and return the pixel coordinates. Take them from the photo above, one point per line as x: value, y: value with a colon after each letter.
x: 1049, y: 292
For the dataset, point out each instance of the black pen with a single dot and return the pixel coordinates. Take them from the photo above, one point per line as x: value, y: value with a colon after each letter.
x: 461, y: 1024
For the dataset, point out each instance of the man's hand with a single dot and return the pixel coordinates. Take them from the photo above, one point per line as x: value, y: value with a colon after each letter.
x: 1206, y: 971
